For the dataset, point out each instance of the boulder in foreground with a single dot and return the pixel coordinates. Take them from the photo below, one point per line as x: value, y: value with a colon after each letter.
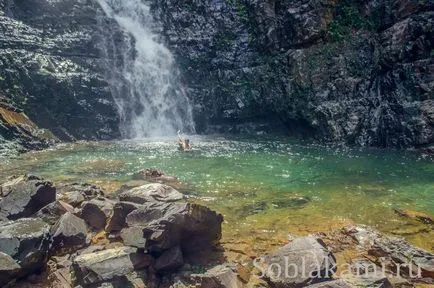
x: 133, y: 236
x: 170, y: 260
x: 221, y: 276
x: 70, y: 232
x: 76, y: 193
x: 53, y: 211
x: 96, y: 212
x: 116, y: 221
x: 108, y: 265
x: 305, y: 261
x: 26, y: 241
x: 24, y: 196
x: 151, y: 193
x: 165, y: 225
x: 8, y: 269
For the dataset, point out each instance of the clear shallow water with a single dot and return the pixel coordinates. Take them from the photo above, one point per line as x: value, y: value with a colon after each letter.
x: 266, y: 188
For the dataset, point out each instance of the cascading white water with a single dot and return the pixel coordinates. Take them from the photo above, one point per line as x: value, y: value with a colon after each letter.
x: 151, y: 103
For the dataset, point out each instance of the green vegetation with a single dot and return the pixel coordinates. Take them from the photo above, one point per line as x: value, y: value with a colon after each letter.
x: 191, y: 7
x: 348, y: 17
x: 224, y: 40
x: 242, y: 12
x: 270, y: 57
x: 198, y: 269
x: 241, y: 9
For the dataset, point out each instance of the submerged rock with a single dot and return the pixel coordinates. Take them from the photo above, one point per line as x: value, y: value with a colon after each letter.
x: 70, y: 232
x: 251, y: 209
x: 419, y: 216
x: 151, y: 193
x: 400, y: 252
x: 292, y: 202
x: 153, y: 175
x: 26, y: 241
x: 367, y: 274
x: 147, y: 173
x: 303, y: 262
x: 394, y: 252
x: 108, y: 265
x: 165, y: 225
x: 24, y: 196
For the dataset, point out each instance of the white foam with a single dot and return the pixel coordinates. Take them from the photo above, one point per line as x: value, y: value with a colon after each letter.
x: 153, y: 104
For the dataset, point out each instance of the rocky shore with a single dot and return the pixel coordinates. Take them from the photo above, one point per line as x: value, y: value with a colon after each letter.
x: 18, y: 133
x: 73, y: 235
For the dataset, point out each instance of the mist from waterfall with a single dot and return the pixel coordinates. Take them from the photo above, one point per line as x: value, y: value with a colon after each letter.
x: 143, y: 75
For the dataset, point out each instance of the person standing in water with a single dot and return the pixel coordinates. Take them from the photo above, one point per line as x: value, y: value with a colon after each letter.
x: 184, y: 144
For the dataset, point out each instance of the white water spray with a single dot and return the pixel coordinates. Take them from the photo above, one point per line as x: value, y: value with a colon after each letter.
x: 150, y: 101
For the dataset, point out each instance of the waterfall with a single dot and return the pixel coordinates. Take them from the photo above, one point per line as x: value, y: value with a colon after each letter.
x: 143, y: 74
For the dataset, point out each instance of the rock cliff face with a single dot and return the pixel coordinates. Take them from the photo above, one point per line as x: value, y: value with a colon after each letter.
x: 341, y: 71
x: 50, y: 66
x: 18, y: 133
x: 355, y: 72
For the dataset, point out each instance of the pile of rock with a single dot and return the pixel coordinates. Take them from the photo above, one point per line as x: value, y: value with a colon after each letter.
x: 394, y: 254
x: 384, y: 261
x: 301, y: 263
x: 149, y: 231
x: 151, y: 237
